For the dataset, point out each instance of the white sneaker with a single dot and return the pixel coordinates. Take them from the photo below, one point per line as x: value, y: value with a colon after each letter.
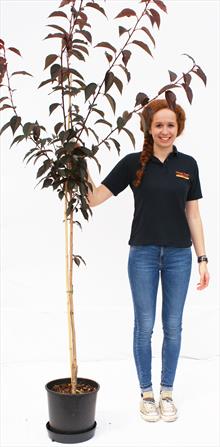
x: 148, y: 408
x: 168, y: 411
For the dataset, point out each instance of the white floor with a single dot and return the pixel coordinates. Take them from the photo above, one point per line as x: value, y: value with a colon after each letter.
x: 24, y: 405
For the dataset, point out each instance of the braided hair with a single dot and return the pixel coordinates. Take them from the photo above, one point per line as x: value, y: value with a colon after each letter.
x: 146, y: 120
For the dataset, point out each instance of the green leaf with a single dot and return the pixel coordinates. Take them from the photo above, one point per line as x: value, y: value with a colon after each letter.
x: 15, y: 122
x: 90, y: 90
x: 118, y: 84
x: 96, y: 6
x: 4, y: 127
x: 103, y: 122
x: 53, y: 107
x: 117, y: 145
x: 50, y: 59
x: 130, y: 134
x: 111, y: 102
x: 142, y: 45
x: 106, y: 45
x: 127, y: 12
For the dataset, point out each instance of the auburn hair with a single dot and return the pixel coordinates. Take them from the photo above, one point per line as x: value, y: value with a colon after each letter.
x: 146, y: 120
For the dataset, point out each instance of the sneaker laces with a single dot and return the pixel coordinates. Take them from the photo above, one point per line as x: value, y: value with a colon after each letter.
x: 169, y: 404
x: 149, y: 404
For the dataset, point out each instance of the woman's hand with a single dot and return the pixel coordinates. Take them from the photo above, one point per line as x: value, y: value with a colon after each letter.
x: 204, y: 276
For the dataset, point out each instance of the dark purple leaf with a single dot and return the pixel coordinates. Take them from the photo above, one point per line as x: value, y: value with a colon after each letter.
x: 21, y: 72
x: 90, y: 90
x: 160, y: 5
x: 127, y: 12
x: 167, y: 87
x: 126, y: 54
x: 155, y: 17
x: 15, y: 122
x: 171, y: 99
x: 58, y: 13
x: 109, y: 79
x: 173, y: 75
x: 142, y: 45
x: 15, y: 50
x: 142, y: 99
x: 189, y: 92
x: 50, y: 59
x: 197, y: 70
x: 96, y: 6
x: 106, y: 45
x: 146, y: 30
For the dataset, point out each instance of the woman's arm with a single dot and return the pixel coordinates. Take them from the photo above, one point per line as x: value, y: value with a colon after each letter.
x: 98, y: 194
x: 197, y: 235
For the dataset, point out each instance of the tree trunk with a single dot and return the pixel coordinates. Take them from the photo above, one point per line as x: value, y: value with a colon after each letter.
x: 69, y: 292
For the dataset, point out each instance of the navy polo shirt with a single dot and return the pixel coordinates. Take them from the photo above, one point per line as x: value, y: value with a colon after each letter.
x: 160, y: 200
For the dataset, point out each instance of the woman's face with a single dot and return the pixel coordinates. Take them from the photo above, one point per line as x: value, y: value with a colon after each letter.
x: 164, y: 128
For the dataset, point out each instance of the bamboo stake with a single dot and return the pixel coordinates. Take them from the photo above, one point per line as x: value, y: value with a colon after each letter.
x: 69, y: 280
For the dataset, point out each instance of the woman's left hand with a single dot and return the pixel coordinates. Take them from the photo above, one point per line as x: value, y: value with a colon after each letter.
x: 204, y: 276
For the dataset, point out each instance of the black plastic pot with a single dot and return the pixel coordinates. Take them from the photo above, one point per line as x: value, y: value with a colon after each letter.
x: 71, y: 416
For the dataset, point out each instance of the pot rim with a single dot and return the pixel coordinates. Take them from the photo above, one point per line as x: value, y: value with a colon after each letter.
x: 68, y: 380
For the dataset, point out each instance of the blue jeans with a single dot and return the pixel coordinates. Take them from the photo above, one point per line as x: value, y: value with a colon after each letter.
x: 145, y: 264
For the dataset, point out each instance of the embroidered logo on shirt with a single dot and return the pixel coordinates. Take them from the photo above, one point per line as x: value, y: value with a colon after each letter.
x: 182, y: 174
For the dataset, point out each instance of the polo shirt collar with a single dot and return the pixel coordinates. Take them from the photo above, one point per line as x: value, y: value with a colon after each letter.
x: 174, y: 153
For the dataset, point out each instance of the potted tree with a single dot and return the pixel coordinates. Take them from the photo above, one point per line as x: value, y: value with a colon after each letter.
x: 62, y: 155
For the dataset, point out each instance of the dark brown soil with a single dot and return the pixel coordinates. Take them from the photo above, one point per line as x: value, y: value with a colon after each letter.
x: 65, y: 388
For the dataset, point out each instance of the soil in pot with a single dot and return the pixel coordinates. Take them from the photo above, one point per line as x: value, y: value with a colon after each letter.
x: 81, y: 388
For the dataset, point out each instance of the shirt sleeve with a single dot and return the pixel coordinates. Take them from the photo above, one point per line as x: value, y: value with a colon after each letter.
x: 195, y: 187
x: 119, y: 178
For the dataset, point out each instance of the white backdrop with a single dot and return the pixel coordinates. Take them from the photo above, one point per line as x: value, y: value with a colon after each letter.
x: 33, y: 304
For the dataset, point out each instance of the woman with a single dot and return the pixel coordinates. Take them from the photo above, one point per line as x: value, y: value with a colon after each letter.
x: 166, y: 222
